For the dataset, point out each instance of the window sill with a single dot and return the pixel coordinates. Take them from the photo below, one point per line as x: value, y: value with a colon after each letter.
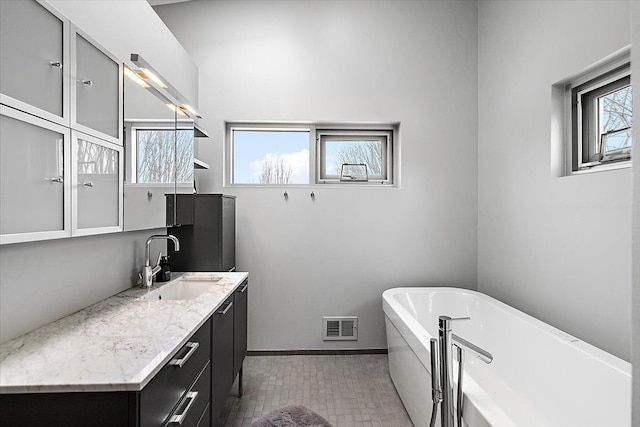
x: 602, y: 168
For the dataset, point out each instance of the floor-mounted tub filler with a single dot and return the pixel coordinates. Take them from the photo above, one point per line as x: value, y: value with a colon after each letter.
x: 518, y: 371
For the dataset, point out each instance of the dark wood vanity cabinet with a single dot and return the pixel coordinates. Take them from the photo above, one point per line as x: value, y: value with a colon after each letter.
x: 222, y: 356
x: 181, y: 389
x: 192, y: 387
x: 240, y: 299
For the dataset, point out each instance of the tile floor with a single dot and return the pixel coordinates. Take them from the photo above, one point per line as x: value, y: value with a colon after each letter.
x: 348, y: 391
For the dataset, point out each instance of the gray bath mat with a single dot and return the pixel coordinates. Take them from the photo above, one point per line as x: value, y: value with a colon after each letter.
x: 291, y: 416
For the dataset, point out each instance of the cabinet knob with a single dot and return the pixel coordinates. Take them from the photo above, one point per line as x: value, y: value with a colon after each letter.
x: 56, y: 64
x: 86, y: 82
x: 87, y: 184
x: 57, y: 180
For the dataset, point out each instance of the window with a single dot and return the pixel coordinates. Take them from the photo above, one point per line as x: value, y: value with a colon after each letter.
x: 602, y: 118
x: 289, y: 154
x: 270, y: 155
x: 155, y: 158
x: 354, y: 155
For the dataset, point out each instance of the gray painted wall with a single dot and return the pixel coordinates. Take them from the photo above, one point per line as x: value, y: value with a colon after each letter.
x: 556, y: 248
x: 44, y: 281
x: 41, y: 282
x: 413, y: 62
x: 635, y: 61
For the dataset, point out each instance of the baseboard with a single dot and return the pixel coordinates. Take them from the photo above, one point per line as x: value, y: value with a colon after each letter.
x: 316, y: 352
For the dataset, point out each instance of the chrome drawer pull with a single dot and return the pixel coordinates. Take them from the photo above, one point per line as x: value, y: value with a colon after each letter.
x: 225, y: 310
x: 180, y: 362
x: 178, y: 419
x: 244, y: 288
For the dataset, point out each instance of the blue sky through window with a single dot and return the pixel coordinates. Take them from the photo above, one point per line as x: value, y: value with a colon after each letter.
x: 255, y: 151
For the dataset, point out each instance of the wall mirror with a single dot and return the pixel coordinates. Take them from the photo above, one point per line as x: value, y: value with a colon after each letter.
x: 159, y: 147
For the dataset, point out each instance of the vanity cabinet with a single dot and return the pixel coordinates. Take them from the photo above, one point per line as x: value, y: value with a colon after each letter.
x: 35, y: 60
x: 240, y: 301
x: 182, y: 389
x: 222, y: 355
x: 35, y: 202
x: 178, y: 395
x: 96, y: 90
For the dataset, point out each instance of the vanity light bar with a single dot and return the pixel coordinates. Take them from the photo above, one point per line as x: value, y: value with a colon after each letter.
x: 176, y: 109
x: 147, y: 72
x: 135, y: 77
x: 190, y: 109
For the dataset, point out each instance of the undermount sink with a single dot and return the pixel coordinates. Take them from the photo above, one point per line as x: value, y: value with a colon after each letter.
x: 189, y: 286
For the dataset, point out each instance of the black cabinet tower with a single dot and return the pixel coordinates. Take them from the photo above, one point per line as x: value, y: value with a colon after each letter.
x: 207, y: 232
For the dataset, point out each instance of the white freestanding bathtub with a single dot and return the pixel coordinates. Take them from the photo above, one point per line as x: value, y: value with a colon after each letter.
x: 539, y: 377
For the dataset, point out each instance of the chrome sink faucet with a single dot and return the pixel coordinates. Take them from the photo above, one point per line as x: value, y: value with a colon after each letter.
x: 148, y: 272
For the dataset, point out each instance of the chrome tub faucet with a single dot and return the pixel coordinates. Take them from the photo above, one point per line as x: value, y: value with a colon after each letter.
x: 442, y: 371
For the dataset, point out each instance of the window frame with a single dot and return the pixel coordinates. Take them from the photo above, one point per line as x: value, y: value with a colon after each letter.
x: 259, y: 127
x: 582, y: 115
x: 327, y: 134
x: 389, y: 129
x: 153, y: 126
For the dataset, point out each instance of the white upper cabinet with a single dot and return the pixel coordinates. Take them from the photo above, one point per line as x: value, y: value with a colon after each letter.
x: 35, y: 58
x: 96, y: 90
x: 35, y: 201
x: 96, y: 185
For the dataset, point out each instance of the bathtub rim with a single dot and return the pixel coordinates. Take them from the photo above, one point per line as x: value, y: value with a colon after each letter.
x: 554, y: 333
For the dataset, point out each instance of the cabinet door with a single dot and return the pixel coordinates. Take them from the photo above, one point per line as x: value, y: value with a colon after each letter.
x: 228, y: 234
x: 96, y: 90
x: 34, y: 53
x: 221, y: 356
x: 240, y: 299
x: 96, y: 185
x: 35, y: 197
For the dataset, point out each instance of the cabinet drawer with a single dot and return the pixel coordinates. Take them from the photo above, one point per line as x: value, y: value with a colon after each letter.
x: 194, y: 403
x: 205, y: 419
x: 163, y: 393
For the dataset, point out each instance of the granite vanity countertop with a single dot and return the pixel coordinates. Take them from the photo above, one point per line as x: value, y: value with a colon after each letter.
x: 117, y: 344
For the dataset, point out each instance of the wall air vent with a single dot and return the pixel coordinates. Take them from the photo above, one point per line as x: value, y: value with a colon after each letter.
x: 340, y: 328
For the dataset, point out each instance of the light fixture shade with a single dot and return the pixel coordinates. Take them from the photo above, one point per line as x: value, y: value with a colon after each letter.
x: 155, y: 80
x: 135, y: 77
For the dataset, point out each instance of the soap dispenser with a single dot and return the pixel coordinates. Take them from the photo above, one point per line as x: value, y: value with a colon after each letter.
x: 165, y: 270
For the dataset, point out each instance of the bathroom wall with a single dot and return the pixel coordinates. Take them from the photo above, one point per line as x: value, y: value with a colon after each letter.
x: 413, y: 62
x: 635, y: 63
x: 556, y: 248
x: 43, y: 281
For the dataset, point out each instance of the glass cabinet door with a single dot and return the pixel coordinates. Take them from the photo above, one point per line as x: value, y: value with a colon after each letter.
x: 96, y: 91
x: 97, y: 185
x: 34, y: 60
x: 34, y: 202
